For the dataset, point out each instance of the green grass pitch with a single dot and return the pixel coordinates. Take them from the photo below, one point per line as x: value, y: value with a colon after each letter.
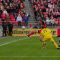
x: 25, y: 48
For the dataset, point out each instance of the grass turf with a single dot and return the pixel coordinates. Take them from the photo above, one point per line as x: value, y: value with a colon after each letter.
x: 24, y: 48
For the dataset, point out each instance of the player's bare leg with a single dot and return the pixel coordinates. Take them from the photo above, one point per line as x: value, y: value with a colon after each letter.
x: 44, y: 44
x: 42, y: 41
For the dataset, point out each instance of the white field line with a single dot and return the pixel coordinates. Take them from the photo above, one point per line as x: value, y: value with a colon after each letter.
x: 29, y: 56
x: 13, y: 41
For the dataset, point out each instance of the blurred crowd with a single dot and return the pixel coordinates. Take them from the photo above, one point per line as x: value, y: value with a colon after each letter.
x: 47, y: 10
x: 12, y: 13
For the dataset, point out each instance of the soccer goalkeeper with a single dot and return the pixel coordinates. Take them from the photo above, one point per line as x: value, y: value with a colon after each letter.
x: 45, y: 35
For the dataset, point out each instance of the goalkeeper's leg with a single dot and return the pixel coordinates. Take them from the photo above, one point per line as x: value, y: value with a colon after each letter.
x: 43, y: 42
x: 55, y: 44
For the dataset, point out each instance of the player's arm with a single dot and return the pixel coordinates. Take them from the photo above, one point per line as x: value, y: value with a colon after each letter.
x: 31, y: 33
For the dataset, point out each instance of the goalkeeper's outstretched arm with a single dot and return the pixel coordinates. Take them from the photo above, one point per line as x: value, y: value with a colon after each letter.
x: 33, y: 32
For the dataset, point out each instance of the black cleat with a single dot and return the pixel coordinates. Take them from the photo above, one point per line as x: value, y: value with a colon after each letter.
x: 58, y: 48
x: 59, y: 45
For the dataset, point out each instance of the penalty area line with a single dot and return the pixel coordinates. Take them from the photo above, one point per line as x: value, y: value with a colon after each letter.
x: 30, y: 56
x: 13, y: 41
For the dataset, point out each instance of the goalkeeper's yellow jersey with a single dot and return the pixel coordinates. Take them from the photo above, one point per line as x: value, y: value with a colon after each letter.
x: 46, y: 33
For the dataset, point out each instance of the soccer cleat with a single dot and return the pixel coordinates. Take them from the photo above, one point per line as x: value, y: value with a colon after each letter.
x: 59, y: 45
x: 58, y: 48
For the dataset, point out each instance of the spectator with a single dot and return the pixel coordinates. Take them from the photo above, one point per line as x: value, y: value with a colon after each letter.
x: 35, y: 25
x: 4, y: 26
x: 48, y: 21
x: 19, y: 20
x: 10, y: 29
x: 25, y: 19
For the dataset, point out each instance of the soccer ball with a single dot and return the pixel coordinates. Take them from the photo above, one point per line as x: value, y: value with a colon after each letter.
x: 23, y: 27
